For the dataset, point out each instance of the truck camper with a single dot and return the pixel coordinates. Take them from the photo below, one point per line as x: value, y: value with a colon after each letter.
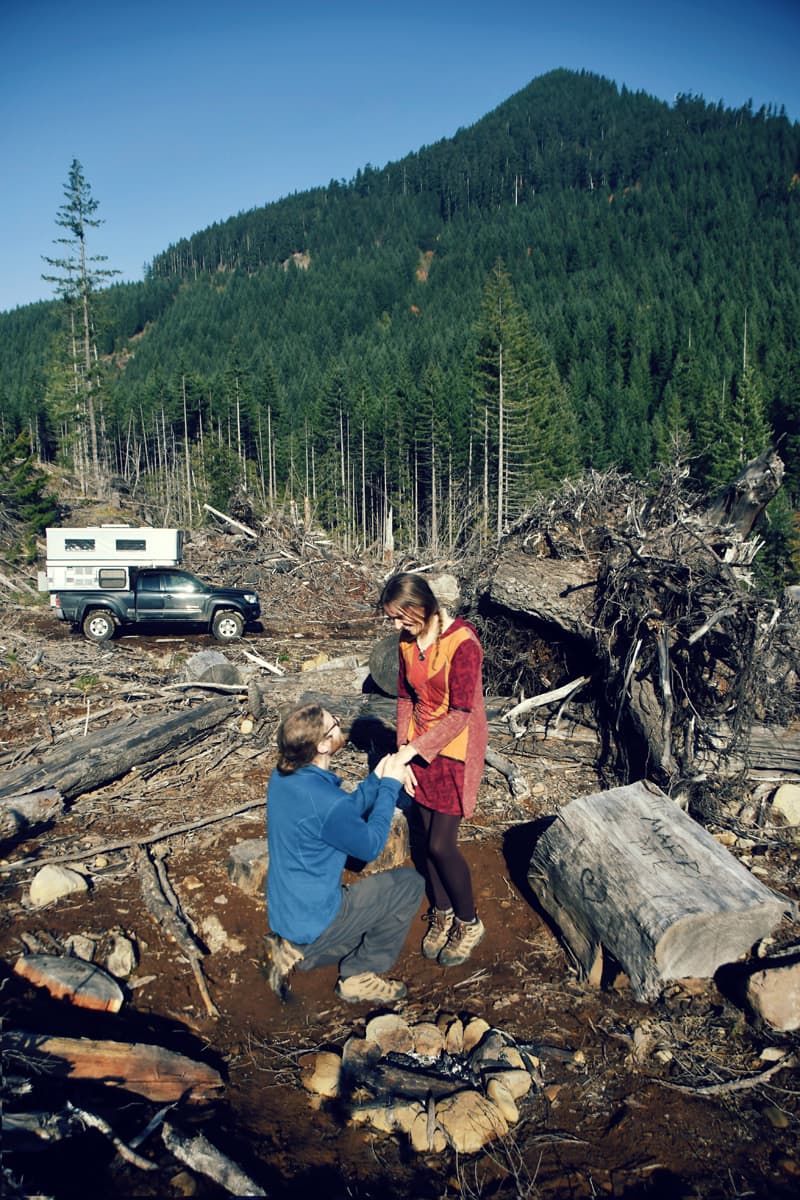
x: 100, y: 556
x: 107, y: 578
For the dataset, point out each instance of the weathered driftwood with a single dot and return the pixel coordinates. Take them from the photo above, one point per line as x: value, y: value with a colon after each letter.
x: 150, y: 1071
x: 627, y: 871
x: 203, y: 1157
x: 91, y: 762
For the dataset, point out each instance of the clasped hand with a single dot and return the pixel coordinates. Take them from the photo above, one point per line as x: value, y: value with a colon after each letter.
x: 396, y: 766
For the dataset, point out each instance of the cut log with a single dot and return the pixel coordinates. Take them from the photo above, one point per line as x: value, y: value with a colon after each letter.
x: 87, y: 763
x: 151, y: 1071
x: 627, y: 871
x: 82, y: 983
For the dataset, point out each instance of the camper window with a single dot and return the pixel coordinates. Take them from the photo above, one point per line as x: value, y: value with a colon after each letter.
x: 131, y: 544
x: 79, y: 543
x: 113, y: 578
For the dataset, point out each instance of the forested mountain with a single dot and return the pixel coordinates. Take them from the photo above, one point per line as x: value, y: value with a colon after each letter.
x: 586, y: 277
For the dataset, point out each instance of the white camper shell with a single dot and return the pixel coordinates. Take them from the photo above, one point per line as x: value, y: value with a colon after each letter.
x: 99, y: 557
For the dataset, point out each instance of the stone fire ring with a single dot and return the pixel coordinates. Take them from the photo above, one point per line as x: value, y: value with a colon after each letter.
x: 443, y: 1083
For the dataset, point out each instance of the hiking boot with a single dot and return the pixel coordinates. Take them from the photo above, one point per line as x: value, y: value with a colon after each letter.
x: 370, y: 989
x: 441, y: 922
x: 282, y: 958
x: 464, y: 937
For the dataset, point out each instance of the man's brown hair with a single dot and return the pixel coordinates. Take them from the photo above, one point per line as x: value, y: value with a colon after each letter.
x: 298, y: 736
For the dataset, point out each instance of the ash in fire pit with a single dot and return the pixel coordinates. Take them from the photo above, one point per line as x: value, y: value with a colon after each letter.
x: 442, y: 1083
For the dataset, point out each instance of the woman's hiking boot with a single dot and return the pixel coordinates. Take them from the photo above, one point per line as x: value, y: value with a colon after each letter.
x: 441, y: 922
x: 464, y: 937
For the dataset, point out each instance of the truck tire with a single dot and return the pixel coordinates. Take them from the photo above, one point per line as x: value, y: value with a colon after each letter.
x: 98, y: 625
x: 227, y: 625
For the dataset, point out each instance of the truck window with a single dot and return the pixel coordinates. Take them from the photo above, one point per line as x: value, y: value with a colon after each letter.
x: 113, y: 578
x: 149, y: 583
x: 79, y: 543
x: 180, y: 581
x: 131, y: 544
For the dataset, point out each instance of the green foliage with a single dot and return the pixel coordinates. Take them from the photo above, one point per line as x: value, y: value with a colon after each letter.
x: 23, y: 490
x: 338, y: 341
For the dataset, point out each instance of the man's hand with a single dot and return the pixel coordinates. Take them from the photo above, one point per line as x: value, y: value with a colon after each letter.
x: 395, y: 766
x: 391, y: 766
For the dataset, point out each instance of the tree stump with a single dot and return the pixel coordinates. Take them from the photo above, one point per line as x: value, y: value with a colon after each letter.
x: 627, y: 871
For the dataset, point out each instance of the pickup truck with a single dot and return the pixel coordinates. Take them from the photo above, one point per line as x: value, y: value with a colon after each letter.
x: 149, y: 596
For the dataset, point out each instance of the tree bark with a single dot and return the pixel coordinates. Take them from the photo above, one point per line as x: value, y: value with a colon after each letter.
x: 628, y: 872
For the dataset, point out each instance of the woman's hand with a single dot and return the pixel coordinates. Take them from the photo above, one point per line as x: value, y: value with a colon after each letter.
x: 392, y: 766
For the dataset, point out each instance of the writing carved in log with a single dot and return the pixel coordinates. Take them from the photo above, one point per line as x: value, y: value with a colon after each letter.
x: 627, y: 871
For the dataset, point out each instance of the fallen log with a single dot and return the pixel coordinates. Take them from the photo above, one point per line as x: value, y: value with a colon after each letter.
x: 149, y: 1071
x: 20, y: 813
x: 626, y: 871
x: 90, y: 762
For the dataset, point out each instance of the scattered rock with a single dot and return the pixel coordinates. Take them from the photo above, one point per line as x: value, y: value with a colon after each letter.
x: 80, y: 946
x: 785, y: 809
x: 247, y: 863
x: 474, y: 1030
x: 774, y: 995
x: 121, y: 959
x: 499, y: 1094
x: 51, y: 883
x: 216, y: 937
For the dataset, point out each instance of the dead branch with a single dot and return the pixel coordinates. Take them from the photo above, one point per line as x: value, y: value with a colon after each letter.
x: 172, y: 921
x: 733, y: 1085
x: 200, y: 1155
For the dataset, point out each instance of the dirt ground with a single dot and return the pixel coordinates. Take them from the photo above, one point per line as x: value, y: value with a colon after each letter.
x: 621, y: 1113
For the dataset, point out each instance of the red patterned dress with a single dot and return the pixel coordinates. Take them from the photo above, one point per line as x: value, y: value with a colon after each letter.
x: 440, y: 709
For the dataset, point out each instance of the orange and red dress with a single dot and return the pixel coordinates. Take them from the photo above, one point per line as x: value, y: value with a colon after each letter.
x: 440, y: 709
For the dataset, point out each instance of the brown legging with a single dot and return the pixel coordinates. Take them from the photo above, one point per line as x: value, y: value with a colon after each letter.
x: 442, y: 863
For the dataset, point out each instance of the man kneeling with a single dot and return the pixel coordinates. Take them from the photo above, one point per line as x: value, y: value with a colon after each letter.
x: 313, y: 825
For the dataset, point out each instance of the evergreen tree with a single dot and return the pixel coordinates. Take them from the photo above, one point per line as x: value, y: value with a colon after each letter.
x: 76, y: 282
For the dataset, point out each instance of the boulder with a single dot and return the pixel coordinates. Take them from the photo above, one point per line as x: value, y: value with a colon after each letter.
x: 51, y: 883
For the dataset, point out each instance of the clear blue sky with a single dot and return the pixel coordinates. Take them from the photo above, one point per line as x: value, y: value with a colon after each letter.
x: 185, y: 113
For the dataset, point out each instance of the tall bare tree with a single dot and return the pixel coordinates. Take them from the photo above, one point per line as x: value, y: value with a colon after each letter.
x: 77, y: 277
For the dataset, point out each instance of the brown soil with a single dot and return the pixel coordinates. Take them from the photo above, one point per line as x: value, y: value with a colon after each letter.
x: 610, y: 1120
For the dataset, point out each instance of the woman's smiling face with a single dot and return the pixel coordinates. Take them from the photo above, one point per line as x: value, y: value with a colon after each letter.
x: 406, y: 620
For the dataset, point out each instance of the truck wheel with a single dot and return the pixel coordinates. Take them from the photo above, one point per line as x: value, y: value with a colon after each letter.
x: 227, y: 626
x: 98, y: 625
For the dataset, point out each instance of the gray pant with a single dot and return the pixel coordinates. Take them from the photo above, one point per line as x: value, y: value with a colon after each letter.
x: 368, y: 932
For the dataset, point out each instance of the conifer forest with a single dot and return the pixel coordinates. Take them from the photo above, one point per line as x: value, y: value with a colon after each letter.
x: 587, y: 278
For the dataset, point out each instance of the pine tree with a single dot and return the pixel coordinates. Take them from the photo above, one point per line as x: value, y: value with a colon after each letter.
x: 76, y: 281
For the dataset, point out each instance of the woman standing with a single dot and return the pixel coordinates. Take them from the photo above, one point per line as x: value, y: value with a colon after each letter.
x: 442, y: 718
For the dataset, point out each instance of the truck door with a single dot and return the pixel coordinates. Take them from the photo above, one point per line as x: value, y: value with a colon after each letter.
x: 182, y: 596
x: 149, y: 598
